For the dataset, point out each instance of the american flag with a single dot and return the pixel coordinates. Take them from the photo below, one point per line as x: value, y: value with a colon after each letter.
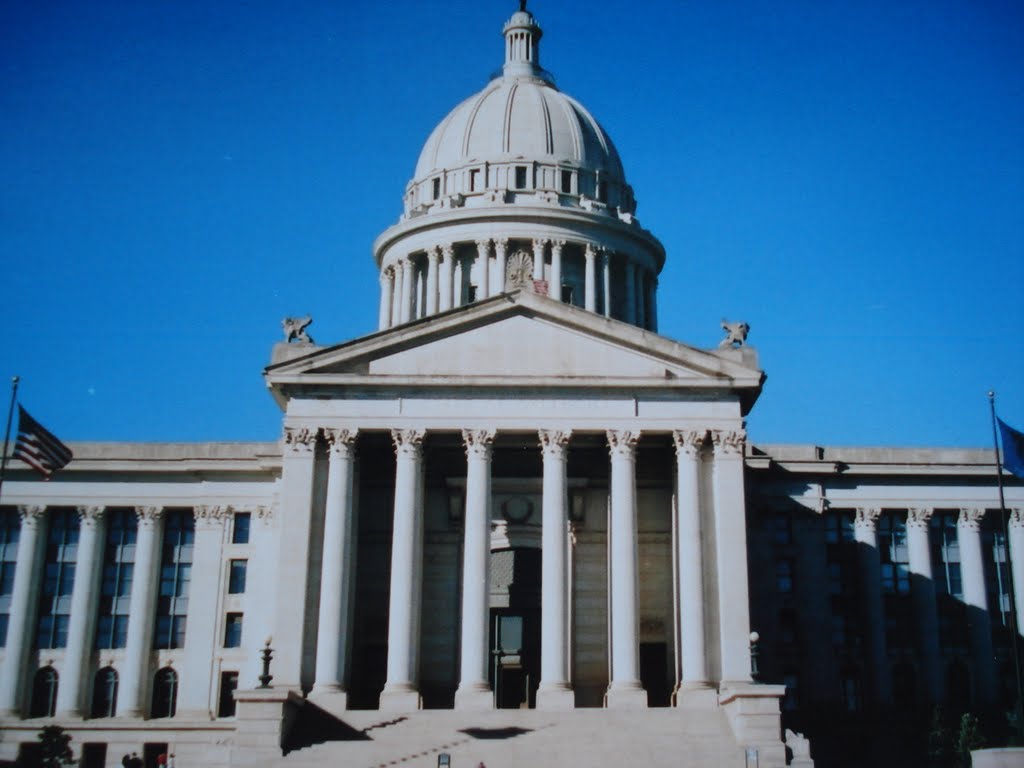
x: 38, y: 447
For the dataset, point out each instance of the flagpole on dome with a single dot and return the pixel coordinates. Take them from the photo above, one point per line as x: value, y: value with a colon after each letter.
x: 7, y: 430
x: 1018, y: 724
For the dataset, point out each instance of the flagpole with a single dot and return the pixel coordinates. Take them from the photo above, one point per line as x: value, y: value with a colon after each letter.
x: 7, y: 430
x: 1019, y: 725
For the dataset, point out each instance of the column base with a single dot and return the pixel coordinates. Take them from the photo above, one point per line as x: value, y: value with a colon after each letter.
x: 557, y: 696
x: 693, y: 695
x: 400, y: 698
x: 626, y: 696
x: 475, y: 697
x: 331, y: 697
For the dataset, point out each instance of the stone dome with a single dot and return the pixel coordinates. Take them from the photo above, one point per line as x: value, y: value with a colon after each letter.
x: 519, y: 117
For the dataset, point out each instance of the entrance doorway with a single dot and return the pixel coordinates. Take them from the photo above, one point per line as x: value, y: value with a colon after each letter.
x: 515, y: 627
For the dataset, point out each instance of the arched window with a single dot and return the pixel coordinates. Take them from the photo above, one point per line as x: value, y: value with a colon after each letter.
x: 104, y: 693
x: 165, y: 693
x: 44, y: 693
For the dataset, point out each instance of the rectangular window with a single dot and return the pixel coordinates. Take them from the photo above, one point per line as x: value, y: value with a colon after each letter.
x: 520, y: 177
x: 474, y: 180
x: 997, y: 565
x: 436, y: 188
x: 236, y: 577
x: 567, y: 294
x: 58, y: 579
x: 946, y: 554
x: 233, y: 631
x: 602, y: 192
x: 240, y: 529
x: 895, y: 556
x: 784, y: 576
x: 782, y: 528
x: 10, y: 530
x: 566, y: 182
x: 228, y: 686
x: 116, y: 587
x: 175, y: 578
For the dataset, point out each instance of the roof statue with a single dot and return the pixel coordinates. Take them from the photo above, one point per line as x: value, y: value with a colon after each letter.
x: 735, y: 334
x: 522, y: 5
x: 295, y: 329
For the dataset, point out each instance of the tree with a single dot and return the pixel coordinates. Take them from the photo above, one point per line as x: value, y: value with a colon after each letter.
x: 938, y: 739
x: 969, y: 738
x: 55, y: 747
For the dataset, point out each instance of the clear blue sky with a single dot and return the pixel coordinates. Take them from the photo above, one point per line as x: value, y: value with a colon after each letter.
x: 848, y: 177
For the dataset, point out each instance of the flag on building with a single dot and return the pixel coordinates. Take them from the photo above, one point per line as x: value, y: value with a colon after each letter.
x: 38, y: 447
x: 1013, y: 448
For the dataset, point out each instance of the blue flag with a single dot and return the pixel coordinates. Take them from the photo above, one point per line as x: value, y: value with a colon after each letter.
x: 1013, y: 449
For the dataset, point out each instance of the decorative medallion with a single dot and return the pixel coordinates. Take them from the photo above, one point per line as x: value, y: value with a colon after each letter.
x: 518, y: 509
x: 519, y: 269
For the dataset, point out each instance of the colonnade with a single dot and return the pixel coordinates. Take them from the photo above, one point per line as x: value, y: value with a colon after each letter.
x: 923, y: 597
x: 133, y: 663
x: 555, y: 690
x: 433, y: 281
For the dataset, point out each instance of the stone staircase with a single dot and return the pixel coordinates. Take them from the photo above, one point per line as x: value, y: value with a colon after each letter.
x: 681, y: 738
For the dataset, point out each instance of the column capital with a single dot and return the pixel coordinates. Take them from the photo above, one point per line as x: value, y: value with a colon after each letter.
x: 300, y: 440
x: 728, y: 442
x: 970, y: 519
x: 553, y: 442
x: 483, y: 246
x: 867, y: 517
x: 90, y: 516
x: 149, y: 517
x: 589, y: 252
x: 434, y: 254
x: 447, y: 250
x: 478, y: 442
x: 557, y: 244
x: 622, y: 442
x: 688, y: 441
x: 407, y: 441
x: 1016, y: 518
x: 264, y: 512
x: 919, y: 517
x: 31, y: 514
x: 500, y: 244
x: 341, y: 441
x: 387, y: 276
x: 210, y: 515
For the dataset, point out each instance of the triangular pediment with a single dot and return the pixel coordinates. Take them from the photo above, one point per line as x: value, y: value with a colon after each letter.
x: 519, y: 339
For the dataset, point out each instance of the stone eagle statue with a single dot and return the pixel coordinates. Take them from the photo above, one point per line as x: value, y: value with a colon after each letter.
x: 735, y: 334
x: 295, y: 329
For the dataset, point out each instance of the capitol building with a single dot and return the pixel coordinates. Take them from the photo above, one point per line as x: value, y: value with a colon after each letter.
x: 513, y: 526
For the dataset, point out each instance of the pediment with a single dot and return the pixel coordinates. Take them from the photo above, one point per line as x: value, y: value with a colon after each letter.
x: 520, y: 337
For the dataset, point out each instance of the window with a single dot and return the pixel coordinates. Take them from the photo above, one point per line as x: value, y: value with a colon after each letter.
x: 782, y: 528
x: 850, y: 689
x: 895, y: 556
x: 236, y: 577
x: 602, y: 191
x: 997, y: 566
x: 567, y: 294
x: 44, y: 693
x: 233, y: 631
x: 118, y: 569
x: 175, y: 576
x: 165, y: 693
x: 10, y: 530
x: 240, y: 529
x: 228, y: 686
x: 784, y: 576
x: 947, y: 554
x: 436, y: 188
x: 104, y: 693
x: 566, y: 182
x: 474, y: 180
x: 791, y: 701
x: 839, y: 528
x: 58, y: 579
x: 520, y: 177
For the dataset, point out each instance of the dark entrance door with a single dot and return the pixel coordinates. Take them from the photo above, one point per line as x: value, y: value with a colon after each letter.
x: 515, y: 636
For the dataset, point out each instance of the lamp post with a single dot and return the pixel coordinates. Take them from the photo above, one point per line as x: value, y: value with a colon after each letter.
x: 267, y: 654
x: 755, y: 671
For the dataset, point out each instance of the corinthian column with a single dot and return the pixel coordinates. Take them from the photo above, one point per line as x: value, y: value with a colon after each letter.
x: 445, y: 299
x: 730, y: 542
x: 387, y: 287
x: 865, y: 531
x: 538, y: 259
x: 433, y: 257
x: 923, y: 596
x: 397, y: 290
x: 1016, y: 526
x: 338, y: 570
x: 294, y: 597
x: 500, y: 252
x: 400, y: 691
x: 968, y: 531
x: 555, y: 279
x: 690, y: 560
x: 483, y: 264
x: 22, y: 616
x: 85, y: 595
x: 555, y: 690
x: 606, y: 279
x: 408, y: 289
x: 590, y: 279
x: 624, y: 690
x: 134, y: 683
x: 474, y: 692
